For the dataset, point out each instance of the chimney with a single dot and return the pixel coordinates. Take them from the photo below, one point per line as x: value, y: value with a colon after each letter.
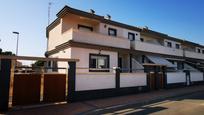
x: 92, y: 11
x: 108, y: 17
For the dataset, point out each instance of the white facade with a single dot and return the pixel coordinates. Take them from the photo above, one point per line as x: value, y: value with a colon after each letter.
x: 95, y: 33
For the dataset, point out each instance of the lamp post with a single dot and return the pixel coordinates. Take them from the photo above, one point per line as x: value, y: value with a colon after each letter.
x: 17, y: 33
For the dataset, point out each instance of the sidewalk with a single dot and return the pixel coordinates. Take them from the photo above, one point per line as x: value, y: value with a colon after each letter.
x: 86, y: 106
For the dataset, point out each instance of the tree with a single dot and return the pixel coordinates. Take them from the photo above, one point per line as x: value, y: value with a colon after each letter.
x: 39, y: 63
x: 6, y: 52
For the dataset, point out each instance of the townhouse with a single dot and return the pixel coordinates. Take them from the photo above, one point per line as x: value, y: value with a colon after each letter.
x: 146, y: 58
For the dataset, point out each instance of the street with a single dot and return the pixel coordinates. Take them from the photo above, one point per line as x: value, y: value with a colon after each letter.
x: 192, y: 104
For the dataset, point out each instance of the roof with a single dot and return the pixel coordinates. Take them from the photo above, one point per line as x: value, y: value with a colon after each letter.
x: 145, y: 31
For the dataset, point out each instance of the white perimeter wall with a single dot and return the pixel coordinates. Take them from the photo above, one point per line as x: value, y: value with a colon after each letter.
x: 133, y: 79
x: 196, y: 76
x: 176, y: 77
x: 94, y: 81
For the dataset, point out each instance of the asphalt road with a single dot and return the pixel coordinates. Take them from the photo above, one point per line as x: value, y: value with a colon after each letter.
x: 191, y: 104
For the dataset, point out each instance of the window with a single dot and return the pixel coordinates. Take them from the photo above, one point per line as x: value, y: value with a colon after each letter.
x: 198, y: 50
x: 112, y: 32
x: 142, y: 39
x: 54, y: 66
x: 203, y: 51
x: 143, y: 58
x: 180, y: 65
x: 177, y: 46
x: 169, y: 44
x: 98, y: 63
x: 85, y: 28
x: 131, y: 36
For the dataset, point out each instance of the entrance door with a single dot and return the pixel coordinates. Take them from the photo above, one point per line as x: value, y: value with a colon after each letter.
x: 155, y: 78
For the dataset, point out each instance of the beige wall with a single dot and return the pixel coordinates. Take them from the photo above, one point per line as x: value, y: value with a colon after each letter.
x: 172, y: 42
x: 121, y: 32
x: 152, y: 40
x: 72, y: 21
x: 100, y: 39
x: 149, y: 47
x: 55, y: 37
x: 83, y: 55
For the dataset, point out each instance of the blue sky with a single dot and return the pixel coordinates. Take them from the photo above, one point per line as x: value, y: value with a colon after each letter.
x: 179, y: 18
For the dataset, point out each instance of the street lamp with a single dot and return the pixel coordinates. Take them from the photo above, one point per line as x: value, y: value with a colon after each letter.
x: 17, y: 33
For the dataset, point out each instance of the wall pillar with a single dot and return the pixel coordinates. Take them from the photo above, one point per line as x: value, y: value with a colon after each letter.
x: 71, y: 81
x: 188, y: 77
x: 5, y: 67
x: 117, y: 77
x: 130, y: 63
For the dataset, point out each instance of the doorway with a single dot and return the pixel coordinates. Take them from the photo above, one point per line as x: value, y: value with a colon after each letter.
x: 155, y: 76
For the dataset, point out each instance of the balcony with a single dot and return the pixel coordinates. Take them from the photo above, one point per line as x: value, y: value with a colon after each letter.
x: 96, y: 39
x: 149, y: 47
x: 195, y: 55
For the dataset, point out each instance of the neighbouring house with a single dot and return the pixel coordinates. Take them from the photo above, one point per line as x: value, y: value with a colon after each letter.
x: 145, y: 57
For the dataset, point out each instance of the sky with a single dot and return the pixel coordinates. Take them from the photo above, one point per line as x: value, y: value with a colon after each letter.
x: 183, y: 19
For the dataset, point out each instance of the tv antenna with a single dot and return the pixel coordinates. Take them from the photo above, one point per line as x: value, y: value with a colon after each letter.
x: 49, y: 7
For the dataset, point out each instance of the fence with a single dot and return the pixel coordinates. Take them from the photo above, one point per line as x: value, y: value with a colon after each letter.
x: 33, y: 85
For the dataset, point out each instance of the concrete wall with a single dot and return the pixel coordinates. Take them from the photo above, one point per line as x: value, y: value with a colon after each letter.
x: 196, y: 76
x: 133, y: 79
x: 94, y: 81
x: 176, y: 77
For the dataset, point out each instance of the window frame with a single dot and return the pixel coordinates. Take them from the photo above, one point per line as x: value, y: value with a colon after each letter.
x: 169, y: 44
x: 102, y: 55
x: 142, y: 39
x: 202, y: 51
x: 87, y: 27
x: 198, y: 50
x: 130, y: 33
x: 112, y: 29
x: 177, y: 46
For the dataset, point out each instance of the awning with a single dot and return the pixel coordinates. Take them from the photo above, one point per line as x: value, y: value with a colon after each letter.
x: 160, y: 60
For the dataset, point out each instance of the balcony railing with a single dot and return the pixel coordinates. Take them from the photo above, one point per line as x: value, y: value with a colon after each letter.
x: 98, y: 39
x: 191, y: 54
x: 118, y: 42
x: 148, y: 47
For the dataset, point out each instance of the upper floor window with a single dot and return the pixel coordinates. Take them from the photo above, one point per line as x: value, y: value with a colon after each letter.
x: 177, y: 46
x: 112, y: 32
x: 202, y: 51
x: 85, y: 28
x: 131, y: 36
x: 198, y: 50
x: 142, y: 39
x: 98, y: 62
x: 169, y: 44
